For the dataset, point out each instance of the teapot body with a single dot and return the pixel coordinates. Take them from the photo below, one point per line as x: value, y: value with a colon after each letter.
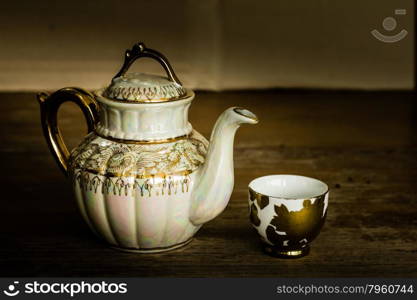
x: 137, y: 196
x: 133, y: 179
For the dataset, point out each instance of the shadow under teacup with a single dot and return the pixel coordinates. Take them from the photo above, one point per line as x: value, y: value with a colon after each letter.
x: 288, y: 212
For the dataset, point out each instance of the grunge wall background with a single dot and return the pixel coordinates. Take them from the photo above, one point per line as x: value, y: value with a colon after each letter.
x: 212, y: 44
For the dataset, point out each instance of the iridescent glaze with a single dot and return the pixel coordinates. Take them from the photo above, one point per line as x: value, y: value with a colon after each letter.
x: 143, y: 178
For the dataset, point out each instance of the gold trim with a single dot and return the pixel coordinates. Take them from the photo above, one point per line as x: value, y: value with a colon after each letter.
x: 142, y: 142
x: 150, y: 101
x: 112, y: 174
x: 118, y: 186
x: 162, y: 89
x: 238, y: 111
x: 187, y: 95
x: 50, y: 104
x: 282, y: 253
x: 259, y: 195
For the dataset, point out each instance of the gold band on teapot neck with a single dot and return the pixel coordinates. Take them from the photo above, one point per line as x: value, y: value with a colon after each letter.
x: 142, y: 142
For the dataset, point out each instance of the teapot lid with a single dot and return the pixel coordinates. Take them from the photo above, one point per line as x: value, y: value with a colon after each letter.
x: 142, y: 88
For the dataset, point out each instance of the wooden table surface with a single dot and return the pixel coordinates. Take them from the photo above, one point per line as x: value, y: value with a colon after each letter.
x: 362, y: 144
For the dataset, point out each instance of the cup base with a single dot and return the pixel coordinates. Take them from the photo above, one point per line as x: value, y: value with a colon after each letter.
x: 282, y: 253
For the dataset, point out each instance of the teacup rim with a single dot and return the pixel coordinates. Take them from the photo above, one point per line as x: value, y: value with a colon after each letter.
x: 289, y: 198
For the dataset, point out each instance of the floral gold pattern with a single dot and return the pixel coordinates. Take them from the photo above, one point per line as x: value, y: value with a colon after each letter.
x: 106, y: 157
x: 297, y: 228
x: 154, y: 186
x: 147, y: 94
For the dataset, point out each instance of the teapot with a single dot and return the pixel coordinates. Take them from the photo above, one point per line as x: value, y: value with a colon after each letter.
x: 144, y: 180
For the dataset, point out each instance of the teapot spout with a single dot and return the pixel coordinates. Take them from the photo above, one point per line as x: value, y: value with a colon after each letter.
x: 214, y: 185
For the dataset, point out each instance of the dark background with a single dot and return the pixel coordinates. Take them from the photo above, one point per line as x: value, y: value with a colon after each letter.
x: 213, y: 44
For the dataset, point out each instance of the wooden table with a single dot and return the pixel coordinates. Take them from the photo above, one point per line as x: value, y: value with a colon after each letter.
x: 362, y: 144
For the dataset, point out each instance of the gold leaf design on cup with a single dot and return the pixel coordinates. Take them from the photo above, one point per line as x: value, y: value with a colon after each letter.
x: 254, y: 215
x: 299, y: 227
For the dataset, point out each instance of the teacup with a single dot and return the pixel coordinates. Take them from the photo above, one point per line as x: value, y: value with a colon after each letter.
x: 288, y: 212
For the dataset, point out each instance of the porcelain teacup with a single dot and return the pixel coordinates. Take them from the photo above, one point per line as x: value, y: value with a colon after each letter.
x: 288, y: 212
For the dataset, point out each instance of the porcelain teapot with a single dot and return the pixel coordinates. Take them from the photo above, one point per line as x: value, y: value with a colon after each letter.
x: 144, y: 179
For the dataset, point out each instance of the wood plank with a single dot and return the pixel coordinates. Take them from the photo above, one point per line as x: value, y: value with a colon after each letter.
x: 362, y: 144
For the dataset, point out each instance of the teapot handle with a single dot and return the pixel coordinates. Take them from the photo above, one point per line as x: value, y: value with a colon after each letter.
x: 139, y: 50
x: 50, y: 104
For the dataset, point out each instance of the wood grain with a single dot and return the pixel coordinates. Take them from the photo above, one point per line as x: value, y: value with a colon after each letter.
x: 362, y: 144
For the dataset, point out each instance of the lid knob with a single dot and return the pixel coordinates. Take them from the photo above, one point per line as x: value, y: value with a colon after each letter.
x: 139, y: 87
